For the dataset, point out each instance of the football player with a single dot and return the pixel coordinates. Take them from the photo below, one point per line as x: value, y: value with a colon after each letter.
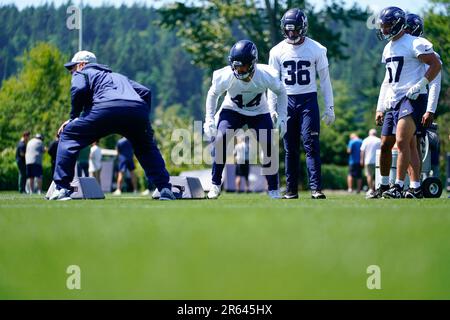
x: 298, y: 59
x: 245, y: 83
x: 414, y: 26
x: 403, y: 95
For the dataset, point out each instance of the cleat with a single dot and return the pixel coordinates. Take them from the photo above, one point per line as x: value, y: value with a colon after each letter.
x: 117, y: 192
x: 317, y: 194
x: 377, y: 194
x: 214, y: 192
x: 413, y: 193
x: 395, y: 192
x: 61, y: 195
x: 166, y: 194
x: 274, y: 194
x: 290, y: 195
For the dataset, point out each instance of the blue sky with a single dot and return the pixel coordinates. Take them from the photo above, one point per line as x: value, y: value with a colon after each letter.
x: 415, y: 6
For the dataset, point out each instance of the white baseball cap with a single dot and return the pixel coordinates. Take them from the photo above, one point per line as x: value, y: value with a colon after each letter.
x: 81, y: 56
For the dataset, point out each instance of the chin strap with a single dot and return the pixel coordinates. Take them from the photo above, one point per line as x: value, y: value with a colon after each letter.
x: 296, y: 41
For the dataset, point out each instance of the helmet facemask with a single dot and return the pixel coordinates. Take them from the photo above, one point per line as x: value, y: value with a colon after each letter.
x: 235, y: 65
x: 293, y: 33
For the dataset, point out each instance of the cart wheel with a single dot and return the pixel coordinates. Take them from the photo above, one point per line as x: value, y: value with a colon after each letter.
x: 432, y: 187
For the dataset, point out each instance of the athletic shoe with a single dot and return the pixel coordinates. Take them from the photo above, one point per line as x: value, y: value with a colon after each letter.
x: 395, y: 192
x: 61, y: 195
x: 166, y: 194
x: 317, y: 194
x: 413, y: 193
x: 117, y: 192
x: 290, y: 195
x: 274, y: 194
x: 214, y: 192
x: 377, y: 194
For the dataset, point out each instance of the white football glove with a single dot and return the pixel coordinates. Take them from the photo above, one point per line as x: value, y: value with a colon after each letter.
x: 282, y: 126
x: 328, y: 116
x: 209, y: 127
x: 414, y: 91
x: 274, y: 116
x: 279, y: 123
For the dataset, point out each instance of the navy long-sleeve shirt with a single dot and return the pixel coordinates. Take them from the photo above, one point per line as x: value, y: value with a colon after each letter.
x: 97, y: 86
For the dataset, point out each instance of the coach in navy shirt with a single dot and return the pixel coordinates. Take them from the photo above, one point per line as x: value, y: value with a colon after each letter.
x: 111, y: 103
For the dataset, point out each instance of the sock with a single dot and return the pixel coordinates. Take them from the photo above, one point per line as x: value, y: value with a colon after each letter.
x: 385, y: 180
x: 415, y: 184
x: 400, y: 182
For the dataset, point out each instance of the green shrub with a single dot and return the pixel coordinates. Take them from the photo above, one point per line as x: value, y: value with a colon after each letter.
x: 334, y: 177
x: 8, y: 170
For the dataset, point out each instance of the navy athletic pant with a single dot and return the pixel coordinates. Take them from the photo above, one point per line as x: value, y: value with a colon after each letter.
x: 230, y: 119
x: 304, y: 120
x: 131, y: 121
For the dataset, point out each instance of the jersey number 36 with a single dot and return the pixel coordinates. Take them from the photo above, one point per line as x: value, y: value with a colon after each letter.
x: 296, y: 73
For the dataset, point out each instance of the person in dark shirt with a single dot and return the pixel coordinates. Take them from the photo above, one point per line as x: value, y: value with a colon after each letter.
x: 20, y: 160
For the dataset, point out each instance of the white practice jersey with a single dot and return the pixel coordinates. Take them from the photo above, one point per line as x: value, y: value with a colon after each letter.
x: 247, y: 98
x: 297, y: 64
x: 403, y: 68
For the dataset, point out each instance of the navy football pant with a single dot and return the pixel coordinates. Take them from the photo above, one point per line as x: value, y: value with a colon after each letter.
x: 303, y: 111
x: 130, y: 121
x: 230, y: 119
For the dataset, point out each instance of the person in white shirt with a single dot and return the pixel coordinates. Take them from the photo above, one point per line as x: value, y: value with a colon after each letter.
x: 298, y: 59
x: 369, y: 147
x: 95, y: 161
x: 403, y: 94
x: 33, y: 159
x: 245, y: 83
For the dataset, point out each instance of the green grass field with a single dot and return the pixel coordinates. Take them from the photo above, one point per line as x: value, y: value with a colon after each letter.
x: 236, y: 247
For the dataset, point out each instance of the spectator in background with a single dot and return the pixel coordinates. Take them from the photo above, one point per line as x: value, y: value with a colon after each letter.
x: 33, y: 160
x: 52, y: 148
x: 20, y: 160
x: 353, y: 149
x: 95, y: 161
x: 83, y: 162
x: 242, y: 156
x: 369, y: 147
x: 125, y: 156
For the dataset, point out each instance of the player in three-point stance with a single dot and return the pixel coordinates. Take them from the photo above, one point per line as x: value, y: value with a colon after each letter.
x: 245, y: 83
x: 403, y: 95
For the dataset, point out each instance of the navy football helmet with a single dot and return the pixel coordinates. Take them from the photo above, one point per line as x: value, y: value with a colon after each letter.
x: 414, y: 25
x: 294, y: 25
x: 243, y: 53
x: 392, y: 20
